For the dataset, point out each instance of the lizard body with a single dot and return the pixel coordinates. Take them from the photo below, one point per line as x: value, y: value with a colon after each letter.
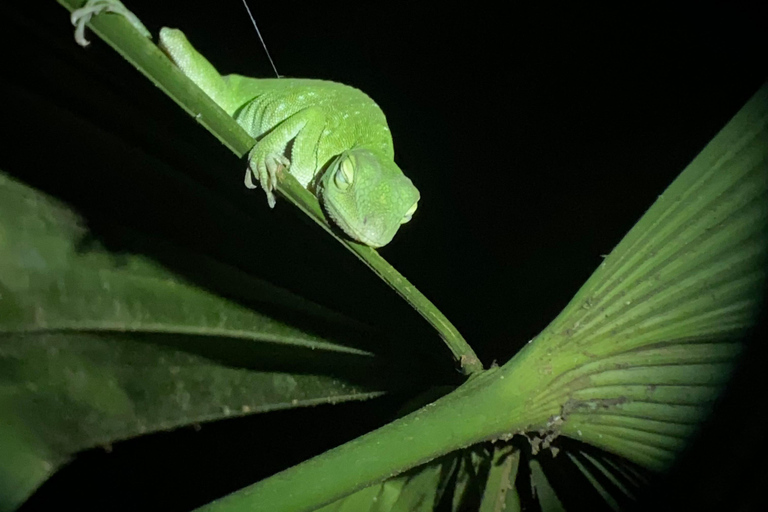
x: 331, y: 137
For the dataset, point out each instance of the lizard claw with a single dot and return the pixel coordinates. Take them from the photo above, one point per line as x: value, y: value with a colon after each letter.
x: 266, y: 169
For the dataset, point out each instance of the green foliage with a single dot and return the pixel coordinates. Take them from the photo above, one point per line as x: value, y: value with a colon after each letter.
x: 98, y: 346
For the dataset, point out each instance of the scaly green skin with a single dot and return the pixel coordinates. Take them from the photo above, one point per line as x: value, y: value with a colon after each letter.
x: 340, y: 144
x: 331, y: 137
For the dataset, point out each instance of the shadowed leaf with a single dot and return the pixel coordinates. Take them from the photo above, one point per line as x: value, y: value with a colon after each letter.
x: 97, y: 347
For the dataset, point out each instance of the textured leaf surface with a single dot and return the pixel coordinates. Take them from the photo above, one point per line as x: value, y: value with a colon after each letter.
x: 635, y: 362
x: 543, y: 490
x: 418, y: 490
x: 501, y: 480
x: 580, y: 477
x: 97, y: 347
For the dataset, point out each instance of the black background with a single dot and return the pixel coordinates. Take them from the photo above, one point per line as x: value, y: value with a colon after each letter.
x: 537, y: 137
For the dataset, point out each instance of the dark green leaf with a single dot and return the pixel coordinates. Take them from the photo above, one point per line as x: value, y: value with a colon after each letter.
x: 97, y: 347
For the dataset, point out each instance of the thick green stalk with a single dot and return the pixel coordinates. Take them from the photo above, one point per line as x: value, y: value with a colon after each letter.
x: 481, y: 409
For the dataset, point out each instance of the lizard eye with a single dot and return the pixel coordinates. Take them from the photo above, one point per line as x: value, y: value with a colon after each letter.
x: 345, y: 174
x: 409, y: 213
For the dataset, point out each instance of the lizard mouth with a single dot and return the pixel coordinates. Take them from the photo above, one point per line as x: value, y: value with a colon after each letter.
x: 368, y: 235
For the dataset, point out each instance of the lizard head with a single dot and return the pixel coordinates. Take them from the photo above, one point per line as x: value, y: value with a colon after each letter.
x: 367, y: 196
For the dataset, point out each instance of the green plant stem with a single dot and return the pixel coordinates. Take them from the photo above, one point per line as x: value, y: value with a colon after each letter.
x: 492, y: 405
x: 481, y: 409
x: 148, y: 59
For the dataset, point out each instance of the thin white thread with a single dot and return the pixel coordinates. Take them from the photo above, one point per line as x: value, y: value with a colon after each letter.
x: 258, y: 32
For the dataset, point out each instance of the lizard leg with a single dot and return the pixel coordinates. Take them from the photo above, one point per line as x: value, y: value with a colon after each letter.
x: 83, y: 15
x: 268, y: 156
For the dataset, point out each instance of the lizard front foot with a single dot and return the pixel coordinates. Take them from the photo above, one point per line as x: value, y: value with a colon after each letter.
x: 265, y: 169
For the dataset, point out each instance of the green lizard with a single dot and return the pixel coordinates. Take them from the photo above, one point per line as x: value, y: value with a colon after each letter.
x: 331, y: 137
